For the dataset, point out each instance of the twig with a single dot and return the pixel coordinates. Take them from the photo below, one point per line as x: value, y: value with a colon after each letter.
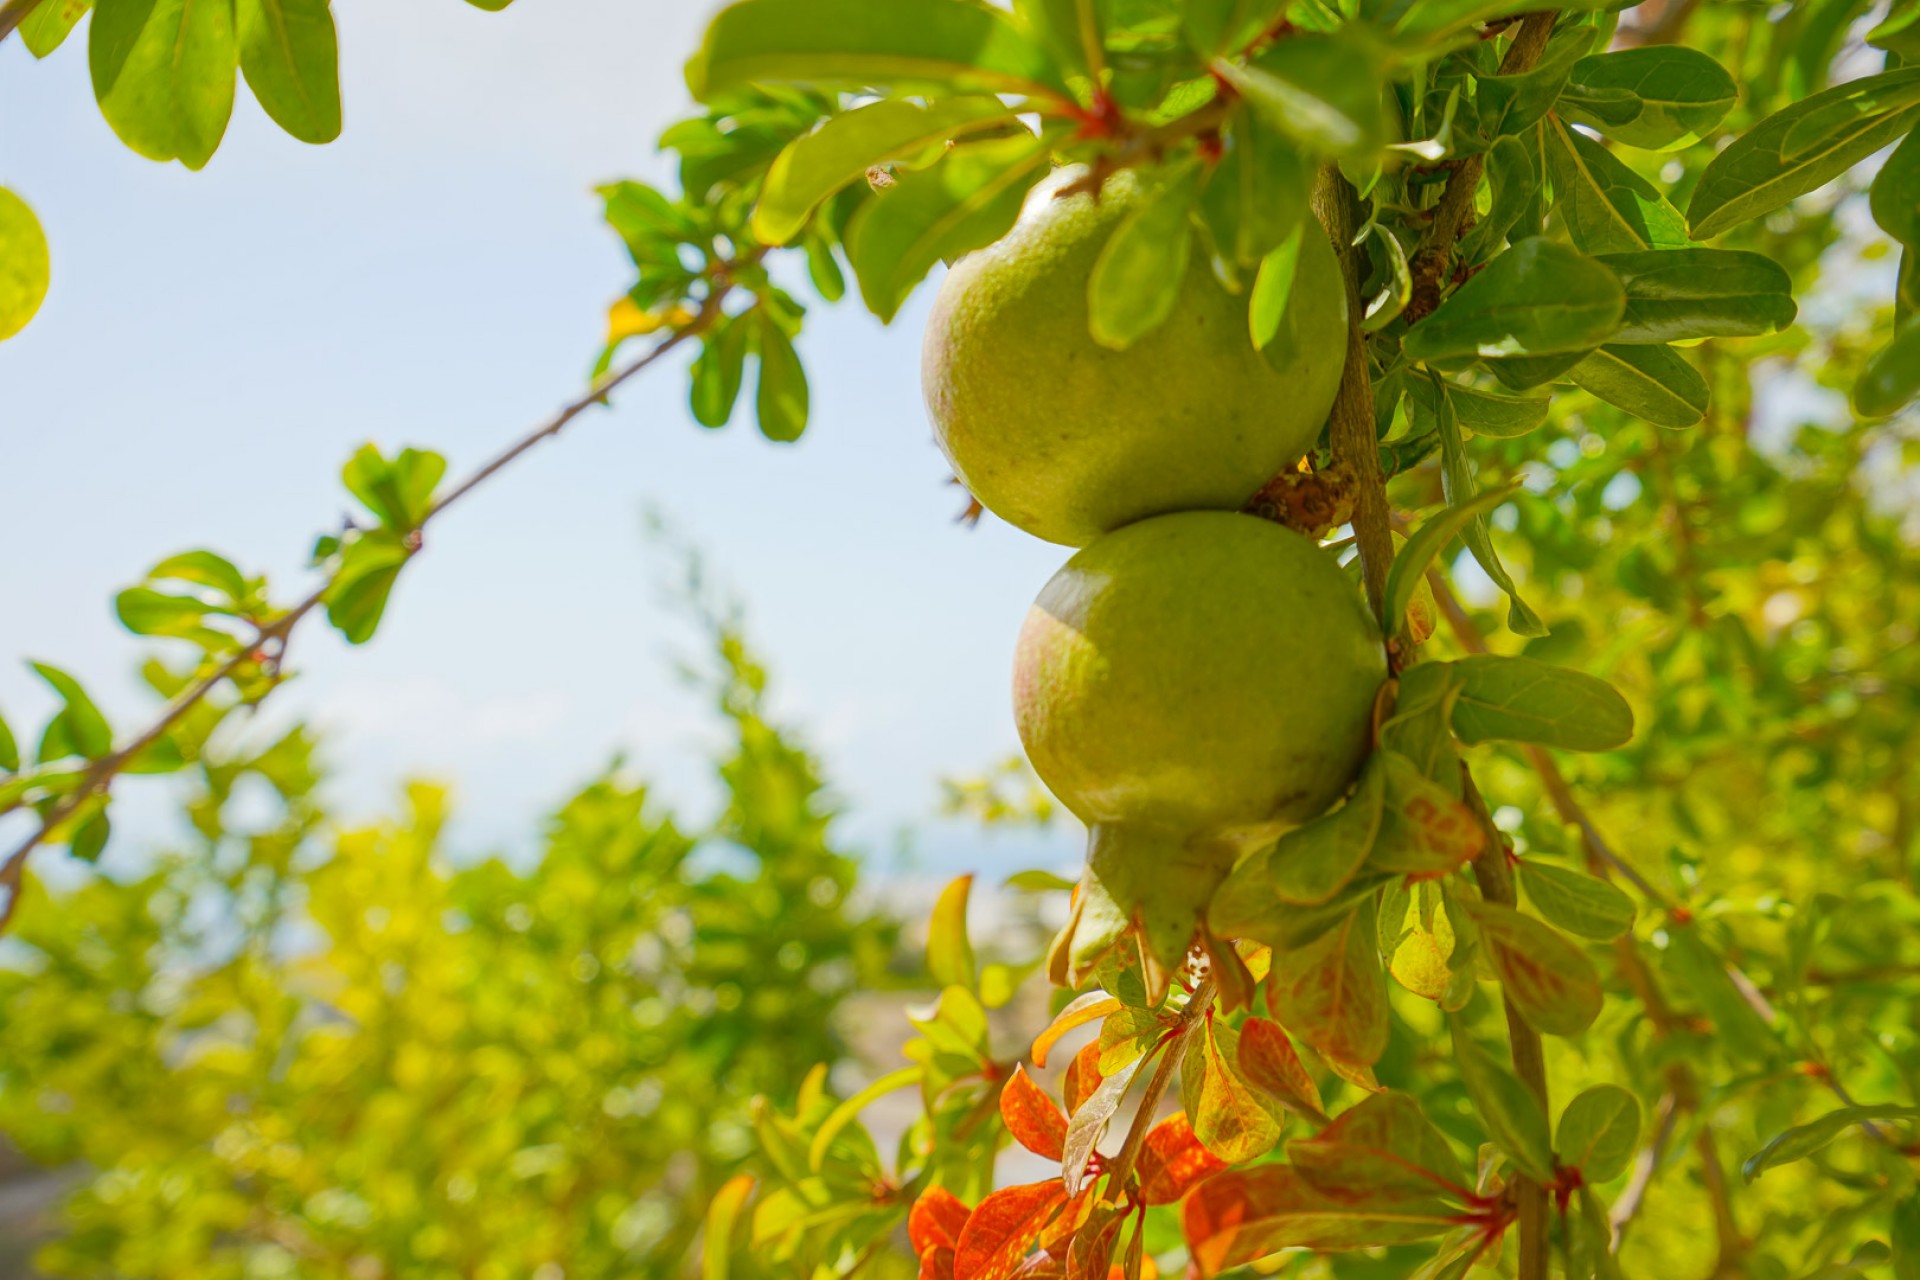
x: 1645, y: 1165
x: 1435, y: 256
x: 1354, y: 438
x: 1495, y: 878
x: 13, y: 13
x: 1193, y: 1016
x: 101, y: 773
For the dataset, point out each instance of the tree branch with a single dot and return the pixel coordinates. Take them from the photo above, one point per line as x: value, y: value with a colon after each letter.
x: 1191, y: 1017
x: 13, y: 13
x: 1353, y: 436
x: 100, y: 774
x: 1433, y: 260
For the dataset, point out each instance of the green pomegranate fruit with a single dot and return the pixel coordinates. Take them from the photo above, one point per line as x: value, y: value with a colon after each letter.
x: 1068, y: 439
x: 1189, y: 686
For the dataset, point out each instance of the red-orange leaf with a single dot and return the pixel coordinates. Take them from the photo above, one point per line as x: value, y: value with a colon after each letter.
x: 1090, y: 1007
x: 1270, y: 1062
x: 1091, y: 1257
x: 936, y: 1221
x: 1060, y: 1231
x: 1241, y: 1215
x: 936, y: 1264
x: 1173, y: 1161
x: 1002, y: 1230
x: 1033, y: 1118
x: 1083, y: 1076
x: 1549, y: 979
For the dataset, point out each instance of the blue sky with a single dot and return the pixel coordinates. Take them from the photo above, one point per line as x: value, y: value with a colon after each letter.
x: 216, y: 344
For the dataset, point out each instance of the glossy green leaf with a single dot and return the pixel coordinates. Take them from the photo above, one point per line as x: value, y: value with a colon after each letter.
x: 1598, y: 1132
x: 1484, y: 413
x: 1679, y: 95
x: 1804, y: 1140
x: 1608, y: 207
x: 1536, y: 298
x: 1427, y: 542
x: 1802, y: 147
x: 1256, y: 197
x: 948, y: 45
x: 781, y: 398
x: 1511, y: 104
x: 163, y: 71
x: 291, y: 58
x: 1512, y: 170
x: 1139, y: 273
x: 1679, y: 294
x: 1547, y: 978
x: 1273, y: 287
x: 1892, y: 377
x: 970, y: 198
x: 1458, y: 484
x: 1653, y: 383
x: 25, y: 267
x: 1513, y: 1116
x: 718, y: 372
x: 815, y: 166
x: 1531, y: 701
x: 1312, y: 863
x: 1575, y: 901
x: 1320, y: 90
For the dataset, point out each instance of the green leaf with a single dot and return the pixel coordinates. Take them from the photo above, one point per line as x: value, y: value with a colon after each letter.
x: 949, y: 953
x: 1139, y: 273
x: 969, y: 199
x: 1899, y: 33
x: 1536, y: 298
x: 1272, y: 287
x: 163, y: 73
x: 1513, y: 1116
x: 1511, y: 104
x: 1802, y: 147
x: 1608, y: 207
x: 1654, y: 384
x: 1679, y: 95
x: 1223, y: 26
x: 1804, y: 1140
x: 1693, y: 967
x: 817, y: 165
x: 357, y: 597
x: 147, y: 612
x: 1484, y: 413
x: 25, y: 266
x: 291, y: 58
x: 48, y: 26
x: 948, y: 45
x: 1312, y: 863
x: 1598, y: 1132
x: 1678, y: 294
x: 1230, y: 1118
x: 1322, y: 91
x: 781, y: 400
x: 1427, y: 542
x: 79, y: 728
x: 724, y: 1213
x: 398, y: 491
x: 205, y: 569
x: 1547, y: 978
x: 1384, y: 1151
x: 1333, y: 994
x: 1895, y: 198
x: 1256, y: 197
x: 1906, y: 1215
x: 717, y: 373
x: 1458, y: 485
x: 89, y: 838
x: 849, y: 1111
x: 1575, y: 901
x: 1892, y: 377
x: 1514, y: 177
x: 9, y: 749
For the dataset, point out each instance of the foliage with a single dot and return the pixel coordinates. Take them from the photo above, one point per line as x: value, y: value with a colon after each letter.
x: 1716, y: 610
x: 292, y: 1050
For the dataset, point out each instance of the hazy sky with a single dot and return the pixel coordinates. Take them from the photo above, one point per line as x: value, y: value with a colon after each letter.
x: 216, y: 344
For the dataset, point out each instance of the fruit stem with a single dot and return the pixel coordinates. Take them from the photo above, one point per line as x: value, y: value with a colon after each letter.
x: 1355, y: 442
x: 1495, y: 877
x: 1192, y: 1017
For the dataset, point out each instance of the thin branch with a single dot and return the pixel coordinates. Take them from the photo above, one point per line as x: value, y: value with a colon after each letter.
x: 1645, y: 1165
x: 100, y: 774
x: 1494, y: 875
x: 1193, y: 1016
x: 13, y: 13
x: 1354, y: 438
x: 1431, y: 263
